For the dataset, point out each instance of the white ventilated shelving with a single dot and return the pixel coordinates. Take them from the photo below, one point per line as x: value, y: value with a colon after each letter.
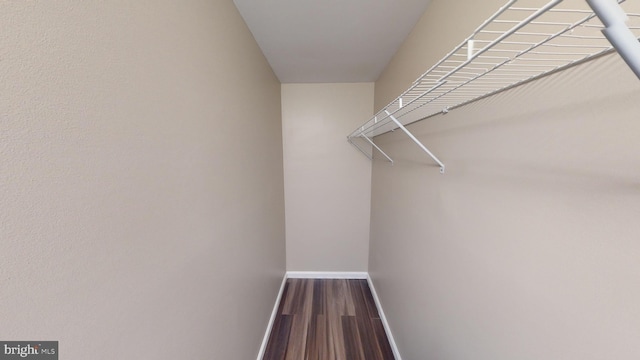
x: 522, y: 41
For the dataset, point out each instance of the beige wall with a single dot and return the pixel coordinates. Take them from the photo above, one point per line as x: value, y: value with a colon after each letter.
x: 527, y: 248
x: 327, y: 181
x: 141, y: 179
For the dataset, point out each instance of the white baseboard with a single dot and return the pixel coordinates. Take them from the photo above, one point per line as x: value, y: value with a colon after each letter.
x: 274, y: 313
x: 326, y: 275
x: 387, y: 329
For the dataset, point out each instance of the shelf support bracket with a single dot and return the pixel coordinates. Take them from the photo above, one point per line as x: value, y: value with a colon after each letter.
x: 377, y: 148
x: 617, y: 32
x: 359, y: 148
x: 415, y: 140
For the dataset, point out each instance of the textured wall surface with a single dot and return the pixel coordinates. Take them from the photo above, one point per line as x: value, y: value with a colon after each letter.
x: 141, y: 179
x: 527, y: 248
x: 327, y: 181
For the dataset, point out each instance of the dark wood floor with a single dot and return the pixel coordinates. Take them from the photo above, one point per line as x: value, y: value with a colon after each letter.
x: 327, y: 320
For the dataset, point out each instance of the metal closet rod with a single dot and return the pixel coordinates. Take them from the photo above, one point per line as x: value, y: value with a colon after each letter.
x: 617, y: 32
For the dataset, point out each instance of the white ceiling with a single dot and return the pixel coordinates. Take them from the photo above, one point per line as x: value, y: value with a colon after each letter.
x: 320, y: 41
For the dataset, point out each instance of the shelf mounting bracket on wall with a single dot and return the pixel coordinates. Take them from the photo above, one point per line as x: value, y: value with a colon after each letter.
x: 415, y: 140
x: 377, y: 148
x: 369, y: 156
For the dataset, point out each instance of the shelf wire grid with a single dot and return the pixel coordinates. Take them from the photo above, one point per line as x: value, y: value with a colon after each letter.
x: 524, y: 40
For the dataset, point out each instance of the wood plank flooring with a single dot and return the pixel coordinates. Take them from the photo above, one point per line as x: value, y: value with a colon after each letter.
x: 326, y: 319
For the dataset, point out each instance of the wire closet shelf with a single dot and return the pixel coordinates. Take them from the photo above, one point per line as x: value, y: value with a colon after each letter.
x: 524, y: 40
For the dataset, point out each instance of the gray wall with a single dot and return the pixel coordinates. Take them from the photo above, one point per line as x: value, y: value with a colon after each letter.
x: 527, y: 248
x: 141, y: 179
x: 327, y: 181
